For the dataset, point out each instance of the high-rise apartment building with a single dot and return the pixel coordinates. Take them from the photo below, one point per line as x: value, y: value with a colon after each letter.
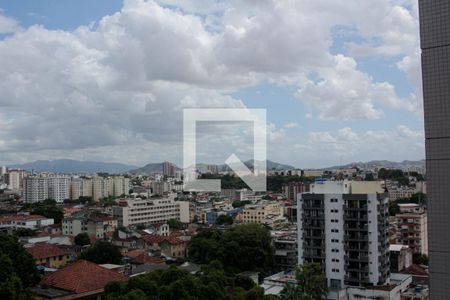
x: 435, y: 44
x: 292, y: 189
x: 121, y: 185
x: 99, y: 189
x: 35, y: 189
x: 343, y: 226
x: 168, y: 169
x: 59, y: 188
x: 412, y: 226
x: 14, y: 180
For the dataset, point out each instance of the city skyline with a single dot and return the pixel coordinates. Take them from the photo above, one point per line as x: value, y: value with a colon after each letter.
x: 95, y: 88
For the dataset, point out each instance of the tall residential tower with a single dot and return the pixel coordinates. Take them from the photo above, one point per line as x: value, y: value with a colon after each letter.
x: 435, y: 43
x: 342, y: 225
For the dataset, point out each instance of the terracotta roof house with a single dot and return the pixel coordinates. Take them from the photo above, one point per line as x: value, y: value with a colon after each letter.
x: 420, y: 274
x: 80, y: 280
x: 48, y: 255
x: 169, y: 245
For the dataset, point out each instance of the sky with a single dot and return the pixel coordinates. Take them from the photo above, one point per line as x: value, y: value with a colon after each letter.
x: 108, y: 80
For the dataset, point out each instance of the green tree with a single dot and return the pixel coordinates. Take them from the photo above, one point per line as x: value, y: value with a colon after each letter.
x: 175, y: 224
x: 420, y: 259
x: 311, y: 284
x: 224, y: 220
x: 141, y: 226
x: 239, y: 203
x: 25, y: 232
x: 17, y: 269
x: 173, y: 283
x: 245, y: 247
x: 48, y: 209
x: 102, y: 252
x: 82, y: 239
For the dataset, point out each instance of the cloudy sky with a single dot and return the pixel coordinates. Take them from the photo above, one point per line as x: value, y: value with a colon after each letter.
x: 108, y: 79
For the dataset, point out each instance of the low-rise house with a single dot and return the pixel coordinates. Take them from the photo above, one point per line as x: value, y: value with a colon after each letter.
x: 48, y: 255
x: 420, y: 274
x: 80, y: 280
x: 169, y: 245
x: 95, y: 225
x: 130, y: 242
x: 24, y: 221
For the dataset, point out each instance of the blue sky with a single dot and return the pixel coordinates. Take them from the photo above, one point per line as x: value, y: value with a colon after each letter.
x: 338, y: 88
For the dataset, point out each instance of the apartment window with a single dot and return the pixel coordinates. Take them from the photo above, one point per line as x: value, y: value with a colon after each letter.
x: 335, y: 250
x: 335, y: 230
x: 334, y: 241
x: 335, y: 260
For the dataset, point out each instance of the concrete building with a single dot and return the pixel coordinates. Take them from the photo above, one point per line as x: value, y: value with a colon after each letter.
x: 2, y: 170
x: 121, y: 186
x: 134, y: 211
x: 292, y: 189
x: 400, y: 257
x: 161, y: 187
x: 261, y: 212
x: 59, y: 188
x: 286, y: 254
x: 80, y: 187
x: 435, y: 44
x: 14, y: 179
x: 312, y: 173
x: 100, y: 188
x: 35, y: 189
x: 24, y: 221
x: 75, y: 188
x: 95, y: 226
x: 168, y: 169
x: 343, y: 225
x: 412, y: 227
x: 400, y: 192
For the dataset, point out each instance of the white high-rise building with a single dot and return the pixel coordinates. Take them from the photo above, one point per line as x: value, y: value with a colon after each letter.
x: 80, y: 187
x: 14, y: 180
x: 86, y: 187
x: 121, y: 186
x: 35, y: 189
x: 2, y: 170
x: 343, y: 226
x: 75, y: 188
x: 99, y: 188
x: 59, y: 188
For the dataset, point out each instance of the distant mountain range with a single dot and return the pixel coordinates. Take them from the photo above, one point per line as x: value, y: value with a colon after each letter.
x: 406, y: 164
x: 150, y: 168
x: 73, y: 166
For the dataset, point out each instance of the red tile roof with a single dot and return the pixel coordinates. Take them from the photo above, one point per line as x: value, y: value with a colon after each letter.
x: 45, y: 250
x: 10, y: 218
x: 134, y: 253
x: 157, y: 239
x: 415, y: 270
x: 81, y: 277
x: 144, y: 258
